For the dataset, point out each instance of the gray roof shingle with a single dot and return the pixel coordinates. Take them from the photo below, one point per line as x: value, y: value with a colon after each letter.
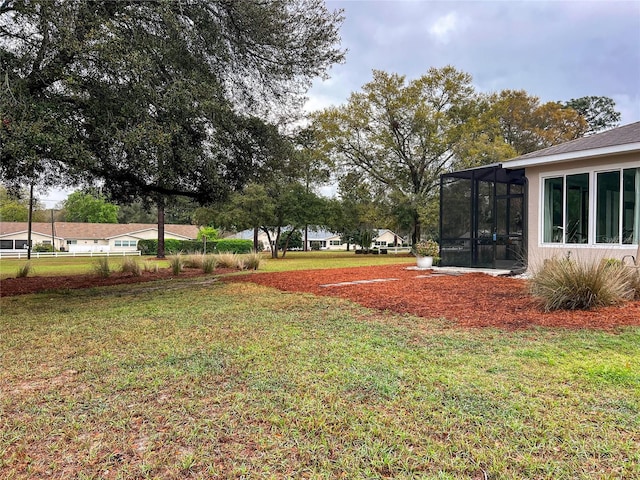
x: 614, y: 137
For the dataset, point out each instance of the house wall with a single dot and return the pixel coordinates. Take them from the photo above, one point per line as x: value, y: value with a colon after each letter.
x: 338, y: 245
x: 86, y: 245
x: 36, y: 238
x: 386, y: 240
x: 127, y: 243
x: 538, y: 251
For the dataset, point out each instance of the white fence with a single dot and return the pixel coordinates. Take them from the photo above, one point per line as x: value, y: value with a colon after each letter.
x: 23, y: 254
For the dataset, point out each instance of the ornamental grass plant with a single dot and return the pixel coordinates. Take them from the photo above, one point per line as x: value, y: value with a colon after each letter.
x: 131, y: 265
x: 176, y: 263
x: 227, y: 260
x: 208, y: 263
x: 251, y: 261
x: 573, y: 284
x: 101, y: 267
x: 24, y: 270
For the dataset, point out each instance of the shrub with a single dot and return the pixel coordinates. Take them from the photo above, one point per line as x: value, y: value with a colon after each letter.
x: 148, y: 247
x: 251, y: 261
x: 101, y: 267
x: 234, y: 245
x: 24, y: 270
x: 227, y: 260
x: 42, y: 247
x: 130, y: 265
x: 176, y: 262
x: 173, y: 246
x: 566, y: 284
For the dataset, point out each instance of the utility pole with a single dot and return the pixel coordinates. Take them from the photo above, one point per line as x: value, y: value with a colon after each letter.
x: 29, y: 221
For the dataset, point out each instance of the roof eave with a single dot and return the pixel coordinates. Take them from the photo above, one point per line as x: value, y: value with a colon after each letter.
x: 577, y: 155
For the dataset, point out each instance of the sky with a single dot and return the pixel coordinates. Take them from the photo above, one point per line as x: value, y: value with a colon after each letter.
x: 554, y: 50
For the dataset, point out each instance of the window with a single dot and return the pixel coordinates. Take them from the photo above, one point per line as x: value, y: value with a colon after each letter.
x: 566, y: 209
x: 577, y: 208
x: 618, y: 206
x: 335, y: 243
x: 6, y: 244
x: 72, y: 242
x: 631, y: 206
x: 125, y: 243
x: 553, y: 210
x: 21, y: 244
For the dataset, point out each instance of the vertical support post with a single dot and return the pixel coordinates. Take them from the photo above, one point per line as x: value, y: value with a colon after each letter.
x: 30, y: 221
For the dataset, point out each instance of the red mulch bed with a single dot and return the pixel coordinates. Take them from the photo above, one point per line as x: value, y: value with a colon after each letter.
x: 469, y: 300
x: 22, y: 286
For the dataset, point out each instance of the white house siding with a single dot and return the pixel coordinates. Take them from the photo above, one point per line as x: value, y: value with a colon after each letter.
x: 87, y: 237
x: 538, y: 250
x: 386, y: 239
x: 87, y: 245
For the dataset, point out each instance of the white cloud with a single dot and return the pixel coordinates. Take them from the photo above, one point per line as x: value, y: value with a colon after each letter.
x: 443, y: 28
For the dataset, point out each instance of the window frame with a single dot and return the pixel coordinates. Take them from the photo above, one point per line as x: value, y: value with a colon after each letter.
x: 592, y: 205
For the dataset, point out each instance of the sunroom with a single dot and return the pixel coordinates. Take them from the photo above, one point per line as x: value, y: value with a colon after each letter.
x: 579, y: 198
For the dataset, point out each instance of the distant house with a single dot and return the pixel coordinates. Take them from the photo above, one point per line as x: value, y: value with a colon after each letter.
x: 88, y: 237
x: 579, y: 198
x: 326, y: 240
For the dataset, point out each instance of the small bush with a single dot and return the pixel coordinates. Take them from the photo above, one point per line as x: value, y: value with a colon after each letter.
x: 176, y: 262
x: 251, y: 261
x: 101, y: 267
x: 42, y: 247
x: 566, y: 284
x: 24, y: 270
x: 130, y: 265
x: 227, y: 260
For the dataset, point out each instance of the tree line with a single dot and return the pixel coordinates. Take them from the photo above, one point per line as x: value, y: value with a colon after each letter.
x: 189, y: 107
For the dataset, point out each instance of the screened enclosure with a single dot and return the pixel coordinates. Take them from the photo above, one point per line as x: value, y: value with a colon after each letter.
x: 482, y: 218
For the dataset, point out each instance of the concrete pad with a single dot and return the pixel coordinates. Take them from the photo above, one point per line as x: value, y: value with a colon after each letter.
x: 495, y: 272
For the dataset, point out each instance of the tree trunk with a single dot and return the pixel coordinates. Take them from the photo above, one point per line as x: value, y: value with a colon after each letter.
x: 274, y: 249
x: 415, y: 236
x: 255, y: 239
x: 161, y: 228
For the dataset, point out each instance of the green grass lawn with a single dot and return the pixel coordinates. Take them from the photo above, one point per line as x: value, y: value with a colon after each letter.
x: 181, y: 380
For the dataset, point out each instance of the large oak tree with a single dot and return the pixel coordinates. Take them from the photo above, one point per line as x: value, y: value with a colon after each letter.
x: 401, y: 134
x: 152, y: 98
